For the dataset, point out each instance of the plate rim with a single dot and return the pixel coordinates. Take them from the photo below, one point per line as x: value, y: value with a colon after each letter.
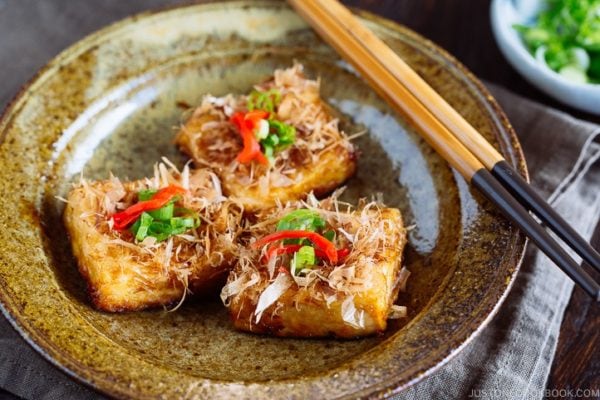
x: 507, y: 138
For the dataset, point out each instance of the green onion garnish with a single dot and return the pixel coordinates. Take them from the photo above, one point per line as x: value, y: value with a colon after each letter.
x: 303, y: 258
x: 143, y: 225
x: 330, y: 235
x: 273, y: 135
x: 566, y: 37
x: 146, y: 194
x: 164, y: 213
x: 286, y: 134
x: 164, y: 222
x: 301, y: 220
x: 264, y: 100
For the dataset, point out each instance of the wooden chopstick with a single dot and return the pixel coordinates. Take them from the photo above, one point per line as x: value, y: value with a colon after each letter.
x: 395, y: 81
x: 463, y: 131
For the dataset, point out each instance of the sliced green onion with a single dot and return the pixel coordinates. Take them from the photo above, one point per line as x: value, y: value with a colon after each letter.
x: 164, y: 213
x: 264, y: 100
x: 147, y: 225
x: 184, y: 223
x: 286, y: 134
x: 303, y: 258
x: 160, y: 230
x: 594, y: 70
x: 565, y: 36
x: 573, y: 73
x: 135, y: 226
x: 146, y: 194
x: 268, y: 150
x: 580, y: 58
x: 301, y: 220
x: 145, y: 221
x: 533, y: 36
x: 263, y: 129
x: 329, y: 235
x: 270, y: 141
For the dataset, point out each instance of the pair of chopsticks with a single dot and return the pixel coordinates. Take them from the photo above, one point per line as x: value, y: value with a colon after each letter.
x: 450, y: 135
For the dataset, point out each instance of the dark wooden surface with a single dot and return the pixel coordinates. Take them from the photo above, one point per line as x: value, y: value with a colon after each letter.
x: 463, y: 28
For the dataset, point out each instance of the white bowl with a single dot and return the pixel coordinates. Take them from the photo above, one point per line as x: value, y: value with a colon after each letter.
x: 506, y: 13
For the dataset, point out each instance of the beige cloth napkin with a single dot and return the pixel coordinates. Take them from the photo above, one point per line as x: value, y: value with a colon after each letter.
x: 511, y: 358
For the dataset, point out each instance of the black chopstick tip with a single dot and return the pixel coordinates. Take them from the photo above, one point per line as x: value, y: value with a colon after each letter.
x: 511, y: 180
x: 487, y: 184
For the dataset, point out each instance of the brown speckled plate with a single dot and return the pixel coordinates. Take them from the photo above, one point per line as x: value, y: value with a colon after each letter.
x: 110, y: 103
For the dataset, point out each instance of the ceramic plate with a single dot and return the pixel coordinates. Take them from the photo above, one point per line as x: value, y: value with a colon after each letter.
x: 111, y: 104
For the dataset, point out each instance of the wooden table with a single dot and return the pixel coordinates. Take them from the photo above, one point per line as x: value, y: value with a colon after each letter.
x: 462, y: 27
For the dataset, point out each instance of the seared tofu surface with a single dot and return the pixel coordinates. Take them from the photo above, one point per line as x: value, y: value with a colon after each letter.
x: 125, y: 275
x: 351, y: 299
x: 248, y: 220
x: 320, y: 159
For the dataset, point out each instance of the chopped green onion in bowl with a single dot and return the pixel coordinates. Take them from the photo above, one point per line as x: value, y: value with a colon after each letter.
x: 566, y: 37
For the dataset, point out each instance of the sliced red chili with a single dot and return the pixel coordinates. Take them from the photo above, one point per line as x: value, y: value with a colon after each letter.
x: 161, y: 198
x: 247, y: 124
x: 251, y: 147
x: 238, y: 120
x: 255, y: 116
x: 292, y: 248
x: 343, y: 253
x: 274, y: 251
x: 319, y: 241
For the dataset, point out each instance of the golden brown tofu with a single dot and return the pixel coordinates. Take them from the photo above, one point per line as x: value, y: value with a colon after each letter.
x: 355, y: 297
x: 125, y: 275
x: 319, y: 160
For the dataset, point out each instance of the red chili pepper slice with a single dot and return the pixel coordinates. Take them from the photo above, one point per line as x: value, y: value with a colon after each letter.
x: 247, y: 124
x: 255, y: 116
x: 251, y: 147
x: 161, y: 198
x: 292, y: 248
x: 321, y: 242
x: 343, y: 253
x: 238, y: 120
x: 279, y: 250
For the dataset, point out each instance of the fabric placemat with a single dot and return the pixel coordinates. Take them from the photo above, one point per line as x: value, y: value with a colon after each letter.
x: 511, y: 358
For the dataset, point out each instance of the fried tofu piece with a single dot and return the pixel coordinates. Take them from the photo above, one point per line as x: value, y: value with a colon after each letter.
x: 321, y: 158
x: 351, y: 299
x: 124, y: 275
